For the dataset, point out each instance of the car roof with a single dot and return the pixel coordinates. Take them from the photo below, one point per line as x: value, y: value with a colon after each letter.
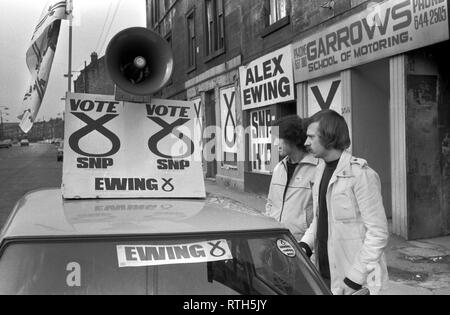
x: 45, y: 214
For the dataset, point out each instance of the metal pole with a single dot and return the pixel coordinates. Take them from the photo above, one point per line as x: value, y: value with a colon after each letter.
x: 69, y: 10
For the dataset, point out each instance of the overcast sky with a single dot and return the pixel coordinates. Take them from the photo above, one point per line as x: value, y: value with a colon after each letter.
x: 18, y: 19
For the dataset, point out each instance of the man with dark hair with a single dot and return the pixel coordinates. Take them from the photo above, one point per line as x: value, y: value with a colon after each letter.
x: 349, y: 232
x: 290, y: 199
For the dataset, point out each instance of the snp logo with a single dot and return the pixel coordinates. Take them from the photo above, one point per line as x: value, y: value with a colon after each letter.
x: 158, y: 114
x: 81, y: 110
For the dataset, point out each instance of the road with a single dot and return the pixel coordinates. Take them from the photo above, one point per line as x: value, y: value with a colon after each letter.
x: 24, y: 169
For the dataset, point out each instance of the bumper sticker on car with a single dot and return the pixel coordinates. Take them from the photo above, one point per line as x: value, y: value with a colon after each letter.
x: 158, y: 255
x: 286, y: 248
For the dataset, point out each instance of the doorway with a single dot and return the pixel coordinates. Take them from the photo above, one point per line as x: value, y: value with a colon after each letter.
x: 210, y: 115
x: 370, y: 122
x: 428, y: 140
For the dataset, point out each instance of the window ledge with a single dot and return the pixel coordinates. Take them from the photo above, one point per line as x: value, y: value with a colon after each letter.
x: 191, y: 69
x: 276, y: 26
x: 214, y: 55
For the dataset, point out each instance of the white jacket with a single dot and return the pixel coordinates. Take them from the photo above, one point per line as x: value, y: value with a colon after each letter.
x: 357, y: 225
x: 295, y: 209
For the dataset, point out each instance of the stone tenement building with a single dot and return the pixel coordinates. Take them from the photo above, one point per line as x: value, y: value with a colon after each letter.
x: 378, y: 63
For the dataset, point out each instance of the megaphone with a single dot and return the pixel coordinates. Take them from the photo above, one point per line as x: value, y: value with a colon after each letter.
x: 139, y: 61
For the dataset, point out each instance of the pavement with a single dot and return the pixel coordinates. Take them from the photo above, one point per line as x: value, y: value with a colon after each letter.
x: 415, y: 267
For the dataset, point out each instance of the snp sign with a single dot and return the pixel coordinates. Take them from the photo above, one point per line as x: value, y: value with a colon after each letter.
x: 125, y: 150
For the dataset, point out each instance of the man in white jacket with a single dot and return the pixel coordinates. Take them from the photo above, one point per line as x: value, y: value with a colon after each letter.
x: 290, y: 195
x: 349, y: 231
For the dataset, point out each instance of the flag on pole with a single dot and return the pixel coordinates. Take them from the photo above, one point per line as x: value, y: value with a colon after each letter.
x: 39, y: 59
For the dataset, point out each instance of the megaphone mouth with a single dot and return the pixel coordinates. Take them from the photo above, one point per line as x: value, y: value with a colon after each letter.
x: 139, y: 61
x: 135, y: 74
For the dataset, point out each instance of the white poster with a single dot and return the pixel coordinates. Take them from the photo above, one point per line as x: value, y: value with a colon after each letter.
x: 159, y: 255
x: 228, y: 119
x: 198, y: 121
x: 126, y: 150
x: 261, y: 140
x: 268, y: 80
x: 383, y: 30
x: 324, y: 94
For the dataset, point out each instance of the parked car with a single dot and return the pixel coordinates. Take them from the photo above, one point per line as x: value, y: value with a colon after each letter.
x: 5, y: 144
x: 182, y: 247
x: 24, y: 143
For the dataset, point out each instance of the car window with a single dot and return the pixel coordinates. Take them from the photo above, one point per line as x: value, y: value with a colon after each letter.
x: 258, y: 265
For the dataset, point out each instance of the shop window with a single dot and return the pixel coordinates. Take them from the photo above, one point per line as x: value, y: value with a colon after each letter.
x: 154, y: 13
x: 261, y: 140
x: 215, y: 29
x: 192, y: 41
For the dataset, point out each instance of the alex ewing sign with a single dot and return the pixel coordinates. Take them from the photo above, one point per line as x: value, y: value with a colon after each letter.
x: 268, y: 80
x: 389, y: 28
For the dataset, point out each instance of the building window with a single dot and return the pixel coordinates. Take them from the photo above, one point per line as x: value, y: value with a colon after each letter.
x: 278, y: 10
x: 215, y: 29
x: 154, y: 13
x: 162, y: 8
x: 192, y: 41
x: 169, y: 40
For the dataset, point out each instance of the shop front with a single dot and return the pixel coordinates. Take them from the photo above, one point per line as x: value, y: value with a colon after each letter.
x: 219, y: 120
x: 382, y: 69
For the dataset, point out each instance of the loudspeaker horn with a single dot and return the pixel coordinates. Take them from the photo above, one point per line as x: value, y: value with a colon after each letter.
x: 139, y: 61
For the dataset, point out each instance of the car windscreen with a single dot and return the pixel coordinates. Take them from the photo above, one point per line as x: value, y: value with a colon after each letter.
x: 242, y: 264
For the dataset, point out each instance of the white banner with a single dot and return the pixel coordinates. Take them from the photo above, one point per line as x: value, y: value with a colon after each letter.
x: 198, y: 121
x: 386, y: 29
x: 325, y: 93
x: 228, y: 118
x: 159, y: 255
x: 127, y: 150
x: 39, y: 59
x: 268, y: 80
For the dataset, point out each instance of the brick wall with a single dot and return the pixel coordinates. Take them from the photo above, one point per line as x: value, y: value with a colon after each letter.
x: 246, y: 31
x: 94, y: 79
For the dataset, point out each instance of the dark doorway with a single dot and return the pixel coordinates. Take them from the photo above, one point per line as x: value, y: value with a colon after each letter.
x: 370, y: 120
x: 428, y: 142
x: 444, y: 125
x: 210, y: 114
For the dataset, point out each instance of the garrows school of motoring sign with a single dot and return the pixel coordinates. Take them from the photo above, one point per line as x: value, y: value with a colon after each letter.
x: 383, y: 30
x: 268, y: 80
x: 124, y: 150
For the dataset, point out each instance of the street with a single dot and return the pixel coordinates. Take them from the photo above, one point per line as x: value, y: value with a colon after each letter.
x: 24, y: 169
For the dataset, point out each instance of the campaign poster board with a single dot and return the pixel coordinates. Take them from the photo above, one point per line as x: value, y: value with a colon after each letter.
x: 268, y: 80
x: 383, y: 30
x: 117, y: 149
